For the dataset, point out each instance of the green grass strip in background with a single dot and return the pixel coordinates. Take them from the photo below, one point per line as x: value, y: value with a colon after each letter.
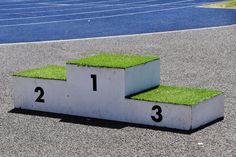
x: 230, y: 4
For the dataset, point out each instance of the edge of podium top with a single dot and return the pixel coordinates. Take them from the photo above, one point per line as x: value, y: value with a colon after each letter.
x: 118, y: 61
x: 103, y: 60
x: 160, y: 93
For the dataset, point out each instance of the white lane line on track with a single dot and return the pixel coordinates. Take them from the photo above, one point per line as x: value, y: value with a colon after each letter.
x: 46, y: 2
x: 61, y: 10
x: 118, y: 36
x: 96, y: 2
x: 98, y: 17
x: 108, y: 10
x: 81, y: 4
x: 100, y: 6
x: 133, y: 35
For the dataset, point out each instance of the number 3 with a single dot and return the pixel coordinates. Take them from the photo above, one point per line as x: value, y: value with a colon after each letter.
x: 157, y: 113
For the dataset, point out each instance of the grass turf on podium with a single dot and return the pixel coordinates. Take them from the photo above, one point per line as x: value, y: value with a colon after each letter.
x: 116, y: 87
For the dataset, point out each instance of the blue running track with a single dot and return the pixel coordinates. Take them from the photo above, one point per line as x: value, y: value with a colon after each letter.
x: 44, y: 20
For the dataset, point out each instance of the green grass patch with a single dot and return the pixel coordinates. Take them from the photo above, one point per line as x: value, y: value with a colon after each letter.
x: 176, y: 95
x: 113, y: 60
x: 53, y: 72
x: 231, y: 4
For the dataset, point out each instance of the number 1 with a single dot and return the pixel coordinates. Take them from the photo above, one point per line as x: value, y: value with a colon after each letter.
x: 94, y: 77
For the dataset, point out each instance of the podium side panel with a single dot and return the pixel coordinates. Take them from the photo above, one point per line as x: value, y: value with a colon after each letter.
x: 40, y: 94
x: 96, y: 92
x: 158, y: 114
x: 208, y: 111
x: 142, y: 77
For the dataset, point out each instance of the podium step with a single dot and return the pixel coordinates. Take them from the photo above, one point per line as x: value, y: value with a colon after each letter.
x: 177, y: 107
x: 176, y: 95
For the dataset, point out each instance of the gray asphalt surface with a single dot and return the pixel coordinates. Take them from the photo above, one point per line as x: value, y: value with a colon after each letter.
x: 198, y: 58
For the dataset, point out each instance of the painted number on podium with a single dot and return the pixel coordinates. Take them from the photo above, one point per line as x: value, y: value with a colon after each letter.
x: 157, y: 117
x: 41, y: 93
x: 94, y: 77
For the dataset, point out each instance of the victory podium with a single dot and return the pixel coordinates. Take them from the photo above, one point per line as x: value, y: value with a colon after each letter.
x: 116, y: 87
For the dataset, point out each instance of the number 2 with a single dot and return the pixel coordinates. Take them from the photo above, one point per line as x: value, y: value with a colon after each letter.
x: 41, y: 93
x: 157, y: 113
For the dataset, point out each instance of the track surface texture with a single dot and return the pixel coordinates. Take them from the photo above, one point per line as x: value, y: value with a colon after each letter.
x: 199, y: 58
x: 44, y: 20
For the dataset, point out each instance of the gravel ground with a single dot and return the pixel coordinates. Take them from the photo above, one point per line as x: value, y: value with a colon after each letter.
x: 197, y: 58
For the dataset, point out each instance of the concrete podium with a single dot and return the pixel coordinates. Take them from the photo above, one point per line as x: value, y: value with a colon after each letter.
x: 116, y: 87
